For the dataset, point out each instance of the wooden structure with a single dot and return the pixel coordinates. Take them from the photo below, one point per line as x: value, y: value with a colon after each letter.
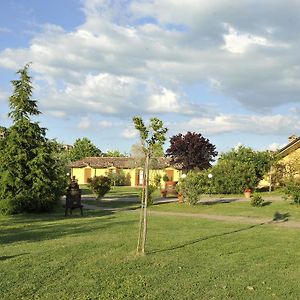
x: 73, y: 198
x: 170, y: 189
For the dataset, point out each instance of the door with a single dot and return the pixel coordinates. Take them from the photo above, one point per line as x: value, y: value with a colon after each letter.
x: 170, y: 174
x: 141, y: 177
x: 87, y: 174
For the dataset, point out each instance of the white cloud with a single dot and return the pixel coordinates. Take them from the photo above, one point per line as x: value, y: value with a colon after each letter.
x: 5, y: 30
x: 237, y: 42
x: 275, y: 146
x: 105, y: 124
x: 116, y: 64
x: 254, y: 124
x: 85, y: 123
x: 165, y: 101
x: 129, y: 133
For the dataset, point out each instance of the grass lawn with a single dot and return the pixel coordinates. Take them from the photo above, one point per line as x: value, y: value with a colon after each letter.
x: 268, y: 211
x: 92, y: 257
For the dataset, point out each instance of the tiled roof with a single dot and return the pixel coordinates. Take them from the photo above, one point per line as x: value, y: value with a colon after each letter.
x: 118, y: 162
x: 290, y: 147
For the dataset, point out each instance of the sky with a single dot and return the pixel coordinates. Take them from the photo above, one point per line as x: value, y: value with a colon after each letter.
x: 227, y: 69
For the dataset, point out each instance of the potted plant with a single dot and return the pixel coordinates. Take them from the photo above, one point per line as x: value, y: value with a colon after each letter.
x: 247, y: 192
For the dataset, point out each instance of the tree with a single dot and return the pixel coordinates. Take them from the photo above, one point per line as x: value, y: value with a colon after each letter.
x: 192, y: 151
x: 31, y: 176
x: 260, y: 160
x: 151, y: 136
x: 240, y: 168
x: 114, y: 153
x: 83, y: 148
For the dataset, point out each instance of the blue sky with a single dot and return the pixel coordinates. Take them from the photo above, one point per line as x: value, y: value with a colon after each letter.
x: 226, y: 69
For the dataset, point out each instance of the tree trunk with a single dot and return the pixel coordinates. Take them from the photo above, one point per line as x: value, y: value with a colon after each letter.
x: 141, y: 238
x: 144, y: 235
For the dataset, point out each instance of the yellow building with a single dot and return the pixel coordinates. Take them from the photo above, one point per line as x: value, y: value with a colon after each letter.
x: 289, y: 157
x: 96, y: 166
x: 291, y: 151
x: 288, y: 164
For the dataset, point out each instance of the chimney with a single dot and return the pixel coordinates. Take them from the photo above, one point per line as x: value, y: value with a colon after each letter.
x: 292, y: 138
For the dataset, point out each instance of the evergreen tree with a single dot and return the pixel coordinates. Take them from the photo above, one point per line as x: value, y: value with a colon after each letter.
x: 31, y: 176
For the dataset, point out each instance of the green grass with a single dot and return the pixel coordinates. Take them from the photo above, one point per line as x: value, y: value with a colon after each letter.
x: 237, y: 209
x: 115, y: 192
x: 52, y: 257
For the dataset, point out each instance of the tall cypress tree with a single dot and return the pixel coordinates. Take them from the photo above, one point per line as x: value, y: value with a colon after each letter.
x: 32, y: 178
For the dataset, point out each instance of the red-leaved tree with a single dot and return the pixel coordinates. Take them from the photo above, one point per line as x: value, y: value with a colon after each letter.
x: 192, y: 151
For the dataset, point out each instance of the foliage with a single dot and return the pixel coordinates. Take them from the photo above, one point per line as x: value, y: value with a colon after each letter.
x: 233, y: 177
x: 260, y: 160
x: 83, y: 148
x: 165, y: 178
x: 100, y: 185
x: 115, y: 153
x: 284, y: 173
x: 292, y: 190
x: 138, y: 153
x: 152, y: 136
x: 119, y: 178
x: 151, y: 190
x: 192, y: 186
x: 32, y: 176
x: 157, y: 181
x: 256, y: 200
x: 239, y: 169
x: 192, y: 151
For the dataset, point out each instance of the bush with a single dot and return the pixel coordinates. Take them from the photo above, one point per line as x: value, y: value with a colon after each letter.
x: 292, y: 190
x: 100, y: 185
x: 157, y: 179
x: 232, y: 177
x: 193, y: 186
x: 117, y: 179
x: 151, y: 189
x: 256, y: 200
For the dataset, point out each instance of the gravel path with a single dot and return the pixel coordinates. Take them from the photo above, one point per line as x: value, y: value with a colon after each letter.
x: 222, y: 218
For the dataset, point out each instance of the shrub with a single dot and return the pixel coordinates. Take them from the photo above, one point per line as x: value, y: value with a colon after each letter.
x: 165, y: 178
x: 117, y: 179
x: 256, y: 200
x: 232, y: 177
x: 193, y: 186
x: 157, y: 179
x: 292, y: 190
x: 151, y: 189
x: 100, y: 185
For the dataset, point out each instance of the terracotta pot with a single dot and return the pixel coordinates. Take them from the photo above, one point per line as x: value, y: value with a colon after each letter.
x: 247, y: 194
x: 180, y: 198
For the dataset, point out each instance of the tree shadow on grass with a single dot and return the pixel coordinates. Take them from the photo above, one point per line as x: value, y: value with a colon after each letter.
x: 280, y: 217
x: 11, y: 256
x: 179, y: 246
x: 43, y: 228
x: 218, y: 201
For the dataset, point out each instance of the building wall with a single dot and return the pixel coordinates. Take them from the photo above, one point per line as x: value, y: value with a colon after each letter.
x: 294, y: 156
x: 79, y: 174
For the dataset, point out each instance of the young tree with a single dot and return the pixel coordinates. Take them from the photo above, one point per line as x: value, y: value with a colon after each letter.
x: 31, y: 176
x: 84, y: 148
x: 151, y: 136
x: 192, y: 151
